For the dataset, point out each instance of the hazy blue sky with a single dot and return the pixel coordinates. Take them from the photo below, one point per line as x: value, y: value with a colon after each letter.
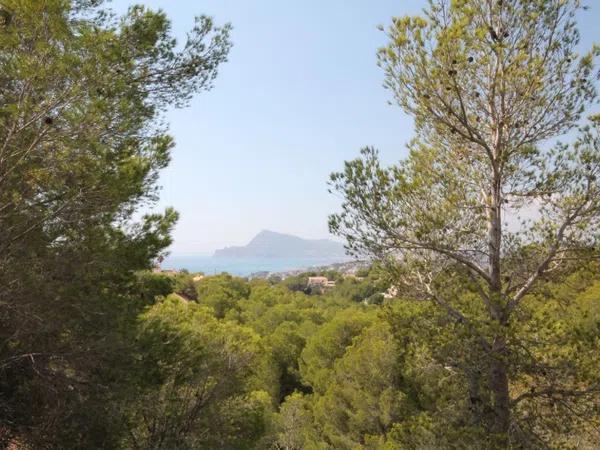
x: 300, y: 94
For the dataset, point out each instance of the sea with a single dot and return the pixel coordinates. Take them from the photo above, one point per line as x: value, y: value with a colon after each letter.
x: 210, y: 265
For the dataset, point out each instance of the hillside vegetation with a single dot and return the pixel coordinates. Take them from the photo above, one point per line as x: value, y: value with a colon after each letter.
x: 467, y: 332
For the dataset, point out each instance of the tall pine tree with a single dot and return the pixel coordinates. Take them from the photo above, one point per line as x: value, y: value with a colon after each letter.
x: 482, y: 194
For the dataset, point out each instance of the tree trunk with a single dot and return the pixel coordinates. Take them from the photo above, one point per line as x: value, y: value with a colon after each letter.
x: 498, y: 372
x: 498, y: 385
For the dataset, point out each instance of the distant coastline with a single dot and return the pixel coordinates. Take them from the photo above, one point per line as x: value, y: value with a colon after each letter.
x: 245, y: 267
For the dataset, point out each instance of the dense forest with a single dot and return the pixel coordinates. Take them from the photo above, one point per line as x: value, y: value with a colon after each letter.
x: 224, y: 362
x: 487, y: 235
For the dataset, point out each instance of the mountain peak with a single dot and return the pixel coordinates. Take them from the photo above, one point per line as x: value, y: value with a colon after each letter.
x: 269, y: 243
x: 267, y: 233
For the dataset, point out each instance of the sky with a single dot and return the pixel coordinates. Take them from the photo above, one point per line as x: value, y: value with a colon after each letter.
x: 300, y: 94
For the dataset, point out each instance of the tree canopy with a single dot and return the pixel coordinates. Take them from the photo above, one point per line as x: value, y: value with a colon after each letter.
x: 82, y: 141
x: 482, y: 197
x: 476, y: 324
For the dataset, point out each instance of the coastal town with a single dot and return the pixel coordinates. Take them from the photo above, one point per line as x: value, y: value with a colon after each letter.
x: 318, y: 280
x: 346, y: 269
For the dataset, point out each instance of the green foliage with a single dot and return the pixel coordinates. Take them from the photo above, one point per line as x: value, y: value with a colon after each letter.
x: 195, y: 372
x: 297, y: 283
x: 492, y: 341
x: 488, y: 83
x: 185, y: 286
x: 286, y: 343
x: 150, y: 286
x: 360, y: 289
x: 329, y: 343
x: 363, y: 400
x: 296, y: 425
x: 222, y: 293
x: 82, y: 140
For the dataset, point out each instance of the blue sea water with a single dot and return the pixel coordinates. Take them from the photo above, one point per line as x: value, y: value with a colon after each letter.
x: 242, y: 266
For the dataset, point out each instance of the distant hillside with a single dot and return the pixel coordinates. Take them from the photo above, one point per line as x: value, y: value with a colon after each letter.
x: 267, y: 244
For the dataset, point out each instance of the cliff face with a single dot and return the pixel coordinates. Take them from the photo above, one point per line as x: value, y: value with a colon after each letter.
x: 268, y: 244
